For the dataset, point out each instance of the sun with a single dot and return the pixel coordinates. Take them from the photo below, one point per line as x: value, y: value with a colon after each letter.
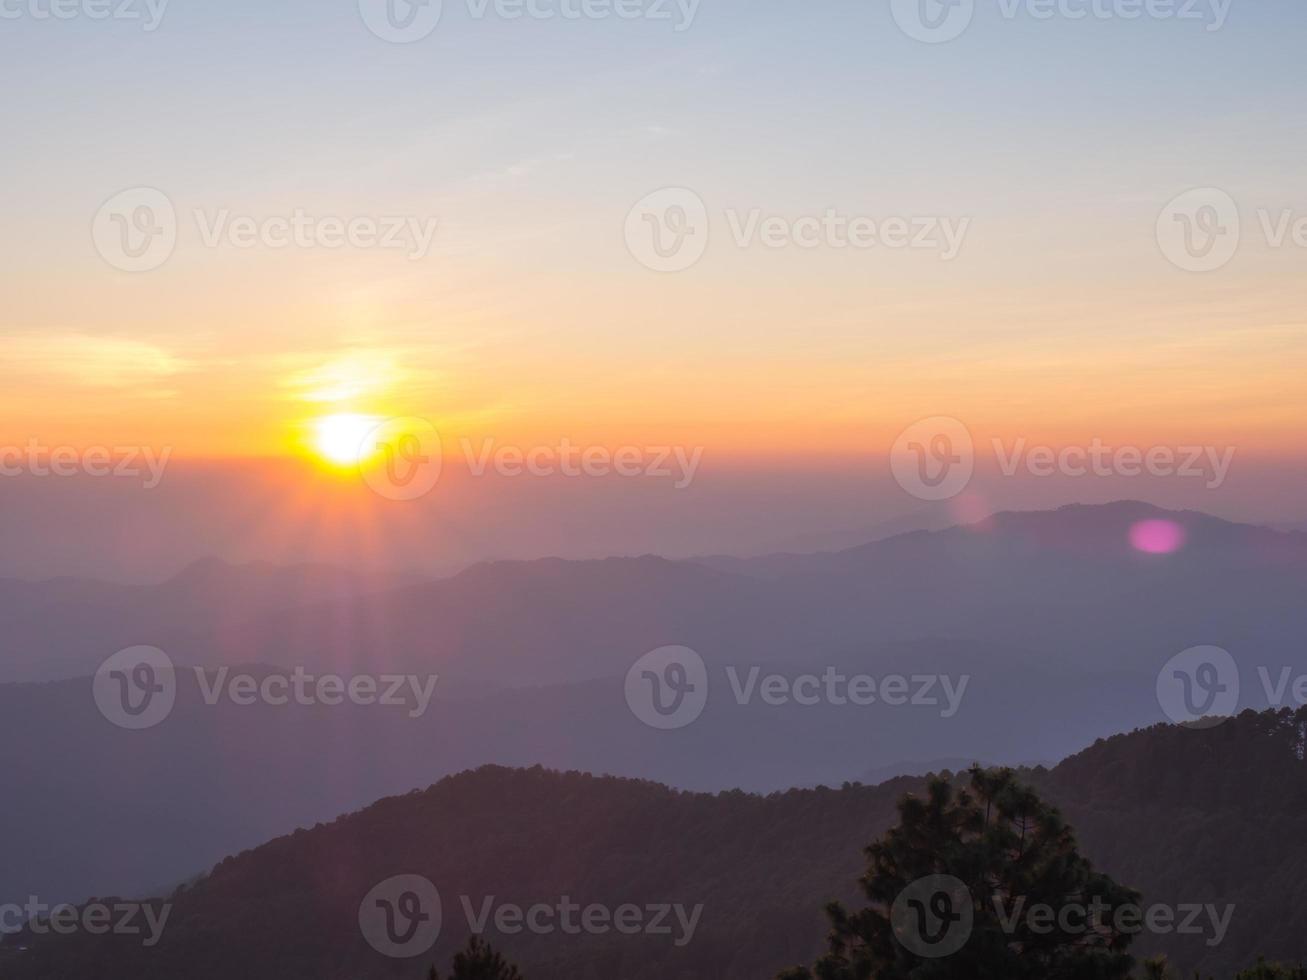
x: 341, y: 438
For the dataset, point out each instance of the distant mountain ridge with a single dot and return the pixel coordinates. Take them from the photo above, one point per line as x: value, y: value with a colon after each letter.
x: 213, y: 612
x: 1058, y: 624
x: 62, y: 628
x: 1011, y: 569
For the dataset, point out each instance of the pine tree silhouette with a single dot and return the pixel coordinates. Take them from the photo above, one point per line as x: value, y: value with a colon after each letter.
x: 1008, y: 851
x: 479, y: 962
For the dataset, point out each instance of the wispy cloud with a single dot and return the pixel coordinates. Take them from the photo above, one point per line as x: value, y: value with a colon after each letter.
x: 81, y: 359
x: 356, y: 374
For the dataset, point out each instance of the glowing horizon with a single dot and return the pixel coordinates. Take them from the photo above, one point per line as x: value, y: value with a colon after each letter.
x: 519, y: 313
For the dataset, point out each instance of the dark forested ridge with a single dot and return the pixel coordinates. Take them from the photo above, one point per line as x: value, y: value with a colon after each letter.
x: 1214, y: 816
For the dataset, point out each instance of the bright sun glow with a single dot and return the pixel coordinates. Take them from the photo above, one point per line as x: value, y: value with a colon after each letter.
x: 341, y: 438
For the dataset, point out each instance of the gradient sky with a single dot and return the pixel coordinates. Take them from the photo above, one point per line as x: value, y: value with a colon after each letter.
x: 530, y: 140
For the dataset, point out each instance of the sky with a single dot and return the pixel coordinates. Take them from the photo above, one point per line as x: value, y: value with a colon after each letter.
x: 1049, y: 144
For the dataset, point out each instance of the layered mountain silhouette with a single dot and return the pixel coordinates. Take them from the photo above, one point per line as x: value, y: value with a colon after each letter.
x: 1059, y: 626
x: 1026, y: 578
x: 1189, y: 817
x: 64, y: 627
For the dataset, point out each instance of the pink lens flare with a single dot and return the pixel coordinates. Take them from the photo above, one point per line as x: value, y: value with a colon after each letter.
x: 1157, y: 537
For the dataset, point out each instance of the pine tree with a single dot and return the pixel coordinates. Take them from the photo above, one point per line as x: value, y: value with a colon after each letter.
x: 1005, y: 853
x: 479, y: 962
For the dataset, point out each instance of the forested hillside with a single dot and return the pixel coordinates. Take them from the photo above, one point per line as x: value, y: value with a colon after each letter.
x: 1184, y: 816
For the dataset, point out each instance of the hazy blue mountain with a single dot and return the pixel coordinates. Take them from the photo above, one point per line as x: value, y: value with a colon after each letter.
x: 1057, y: 624
x: 65, y: 627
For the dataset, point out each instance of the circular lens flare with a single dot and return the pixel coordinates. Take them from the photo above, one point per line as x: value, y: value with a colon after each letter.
x: 1157, y: 537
